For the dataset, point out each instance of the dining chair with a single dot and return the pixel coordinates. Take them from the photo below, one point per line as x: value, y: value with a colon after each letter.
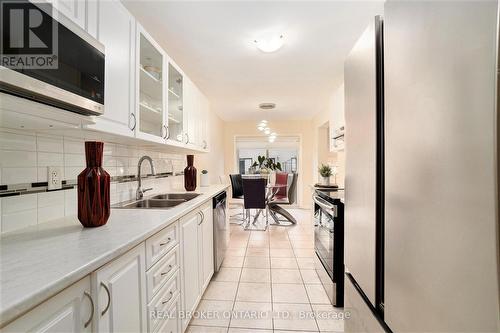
x: 254, y: 197
x: 237, y: 197
x: 289, y: 198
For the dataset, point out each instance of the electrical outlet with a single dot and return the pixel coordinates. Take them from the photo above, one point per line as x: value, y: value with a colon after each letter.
x: 54, y: 178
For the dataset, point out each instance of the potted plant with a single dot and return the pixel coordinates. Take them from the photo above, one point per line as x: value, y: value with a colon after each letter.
x: 265, y: 165
x: 204, y: 181
x: 325, y: 171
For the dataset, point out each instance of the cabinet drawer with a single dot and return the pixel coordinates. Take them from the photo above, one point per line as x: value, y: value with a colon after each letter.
x: 162, y: 301
x: 158, y: 245
x: 170, y: 324
x: 163, y: 270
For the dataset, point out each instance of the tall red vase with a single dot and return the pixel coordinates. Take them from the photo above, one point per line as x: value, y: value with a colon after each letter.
x: 93, y: 188
x: 190, y: 174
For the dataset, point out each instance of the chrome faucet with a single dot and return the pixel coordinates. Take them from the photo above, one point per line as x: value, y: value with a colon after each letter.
x: 140, y: 191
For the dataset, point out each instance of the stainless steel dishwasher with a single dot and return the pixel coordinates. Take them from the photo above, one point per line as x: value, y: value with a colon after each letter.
x: 221, y: 229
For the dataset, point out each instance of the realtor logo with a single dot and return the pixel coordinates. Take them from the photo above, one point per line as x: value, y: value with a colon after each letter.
x: 29, y: 35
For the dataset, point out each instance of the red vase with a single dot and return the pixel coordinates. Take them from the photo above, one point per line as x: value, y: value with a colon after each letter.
x: 190, y: 174
x: 93, y: 188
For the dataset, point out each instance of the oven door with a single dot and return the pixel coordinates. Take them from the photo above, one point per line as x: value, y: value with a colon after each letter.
x: 323, y: 232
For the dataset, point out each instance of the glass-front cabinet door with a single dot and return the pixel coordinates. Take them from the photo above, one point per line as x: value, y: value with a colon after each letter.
x: 175, y: 104
x: 151, y: 96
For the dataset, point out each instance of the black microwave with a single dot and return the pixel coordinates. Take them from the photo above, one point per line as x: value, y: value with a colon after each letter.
x: 42, y: 59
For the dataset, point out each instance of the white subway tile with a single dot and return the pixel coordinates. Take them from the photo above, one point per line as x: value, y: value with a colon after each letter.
x: 46, y: 199
x: 72, y: 146
x: 109, y: 149
x: 73, y: 160
x: 17, y: 158
x: 17, y: 141
x: 50, y: 159
x: 49, y: 144
x: 19, y: 203
x: 121, y: 150
x: 19, y: 175
x: 46, y: 214
x: 18, y: 220
x: 71, y: 173
x: 42, y: 174
x: 109, y: 161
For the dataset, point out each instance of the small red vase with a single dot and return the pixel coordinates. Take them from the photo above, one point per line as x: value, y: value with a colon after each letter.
x: 93, y: 188
x: 190, y: 174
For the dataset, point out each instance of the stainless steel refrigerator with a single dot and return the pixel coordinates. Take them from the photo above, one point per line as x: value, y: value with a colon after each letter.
x: 421, y: 188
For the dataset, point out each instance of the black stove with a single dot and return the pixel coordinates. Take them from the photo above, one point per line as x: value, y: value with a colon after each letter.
x: 329, y: 241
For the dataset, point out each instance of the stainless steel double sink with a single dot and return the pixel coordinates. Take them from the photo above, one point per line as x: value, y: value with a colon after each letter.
x: 160, y: 201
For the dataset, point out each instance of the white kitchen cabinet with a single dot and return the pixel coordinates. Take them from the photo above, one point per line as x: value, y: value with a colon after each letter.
x: 197, y: 255
x: 205, y: 123
x: 337, y: 121
x: 120, y: 289
x: 69, y: 311
x: 190, y: 112
x: 75, y: 10
x: 177, y: 121
x: 117, y: 34
x: 206, y: 241
x: 151, y: 97
x: 190, y: 250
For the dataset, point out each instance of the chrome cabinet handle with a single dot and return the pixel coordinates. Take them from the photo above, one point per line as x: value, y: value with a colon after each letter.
x: 201, y: 217
x: 109, y: 299
x: 167, y: 132
x: 164, y: 128
x: 87, y: 323
x: 205, y: 144
x: 187, y: 138
x: 169, y: 269
x: 168, y: 241
x: 168, y: 300
x: 135, y: 122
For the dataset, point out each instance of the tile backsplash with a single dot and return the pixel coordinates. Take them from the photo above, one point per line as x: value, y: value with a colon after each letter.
x: 24, y: 158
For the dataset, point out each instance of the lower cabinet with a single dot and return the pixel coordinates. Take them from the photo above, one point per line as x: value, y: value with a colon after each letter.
x: 190, y: 264
x: 206, y: 241
x: 148, y: 289
x: 197, y: 240
x: 69, y: 311
x: 120, y: 286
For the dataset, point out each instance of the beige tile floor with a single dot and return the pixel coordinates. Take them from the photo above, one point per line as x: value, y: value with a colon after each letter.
x: 267, y: 283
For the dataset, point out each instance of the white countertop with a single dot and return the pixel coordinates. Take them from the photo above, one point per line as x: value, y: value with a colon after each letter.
x: 40, y: 261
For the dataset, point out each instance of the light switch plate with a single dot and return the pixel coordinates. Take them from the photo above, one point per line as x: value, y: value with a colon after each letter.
x: 54, y: 178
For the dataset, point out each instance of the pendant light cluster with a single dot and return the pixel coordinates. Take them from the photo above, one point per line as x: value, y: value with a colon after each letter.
x: 262, y: 126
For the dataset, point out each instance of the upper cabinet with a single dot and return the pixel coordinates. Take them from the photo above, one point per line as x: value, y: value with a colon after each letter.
x: 151, y: 103
x: 146, y: 95
x: 118, y: 37
x: 337, y: 121
x: 176, y: 118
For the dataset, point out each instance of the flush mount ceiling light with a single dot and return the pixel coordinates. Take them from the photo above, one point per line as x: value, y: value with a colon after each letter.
x: 270, y: 44
x: 267, y: 106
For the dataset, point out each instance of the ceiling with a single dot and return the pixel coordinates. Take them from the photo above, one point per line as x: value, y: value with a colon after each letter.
x: 213, y: 43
